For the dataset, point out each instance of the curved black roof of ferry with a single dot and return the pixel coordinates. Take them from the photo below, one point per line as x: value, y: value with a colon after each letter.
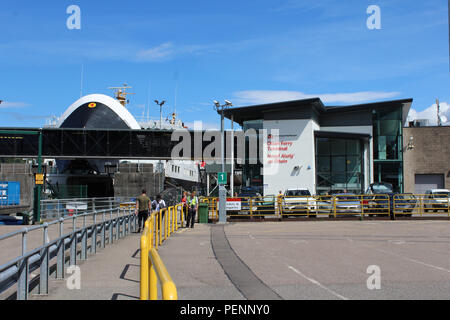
x: 314, y: 107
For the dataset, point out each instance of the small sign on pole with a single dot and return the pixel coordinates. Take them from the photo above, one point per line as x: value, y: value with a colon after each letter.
x: 222, y: 178
x: 39, y: 178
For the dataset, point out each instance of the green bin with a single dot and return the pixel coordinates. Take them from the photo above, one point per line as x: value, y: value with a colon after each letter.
x: 203, y: 212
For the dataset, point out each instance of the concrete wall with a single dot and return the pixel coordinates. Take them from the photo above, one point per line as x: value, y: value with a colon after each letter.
x: 131, y: 179
x: 431, y: 154
x: 20, y: 172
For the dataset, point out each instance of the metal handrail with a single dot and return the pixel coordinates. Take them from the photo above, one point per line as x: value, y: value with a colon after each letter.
x: 18, y: 269
x: 152, y: 267
x: 55, y: 208
x: 169, y: 290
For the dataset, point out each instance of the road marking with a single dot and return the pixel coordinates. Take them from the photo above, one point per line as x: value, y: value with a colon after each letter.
x: 397, y: 241
x: 318, y: 283
x: 298, y: 241
x: 414, y: 260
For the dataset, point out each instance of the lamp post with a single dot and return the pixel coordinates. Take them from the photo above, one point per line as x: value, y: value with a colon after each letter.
x: 222, y: 189
x: 160, y: 112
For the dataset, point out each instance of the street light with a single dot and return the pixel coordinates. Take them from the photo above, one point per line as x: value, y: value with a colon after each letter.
x: 160, y: 112
x: 222, y: 189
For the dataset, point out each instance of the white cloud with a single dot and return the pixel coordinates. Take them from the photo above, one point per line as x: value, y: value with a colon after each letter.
x: 269, y: 96
x: 11, y: 105
x: 158, y: 53
x: 430, y: 113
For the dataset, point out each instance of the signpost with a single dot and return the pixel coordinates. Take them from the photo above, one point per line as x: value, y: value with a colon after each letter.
x: 222, y: 178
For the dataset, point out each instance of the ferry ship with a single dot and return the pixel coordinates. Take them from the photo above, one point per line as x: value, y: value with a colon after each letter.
x: 99, y: 111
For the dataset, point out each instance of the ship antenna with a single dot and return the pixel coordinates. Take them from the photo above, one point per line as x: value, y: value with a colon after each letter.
x: 121, y: 95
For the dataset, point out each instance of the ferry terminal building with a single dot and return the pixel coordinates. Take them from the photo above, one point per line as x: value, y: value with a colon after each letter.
x: 327, y: 149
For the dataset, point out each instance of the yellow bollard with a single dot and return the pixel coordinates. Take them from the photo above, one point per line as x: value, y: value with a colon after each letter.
x: 144, y: 289
x: 153, y: 282
x: 176, y: 217
x: 182, y: 215
x: 173, y: 219
x: 160, y: 227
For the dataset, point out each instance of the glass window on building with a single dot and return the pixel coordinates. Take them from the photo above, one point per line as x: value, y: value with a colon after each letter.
x: 387, y: 147
x: 339, y: 165
x: 251, y: 172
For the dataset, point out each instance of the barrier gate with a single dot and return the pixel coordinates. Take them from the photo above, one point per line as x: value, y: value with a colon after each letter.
x: 331, y: 206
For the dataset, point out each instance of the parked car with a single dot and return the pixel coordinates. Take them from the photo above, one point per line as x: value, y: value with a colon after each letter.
x: 380, y: 188
x: 245, y: 194
x: 298, y: 201
x: 266, y: 205
x: 405, y: 202
x: 346, y: 204
x: 436, y: 199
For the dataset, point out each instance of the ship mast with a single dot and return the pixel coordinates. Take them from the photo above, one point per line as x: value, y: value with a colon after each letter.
x: 121, y: 95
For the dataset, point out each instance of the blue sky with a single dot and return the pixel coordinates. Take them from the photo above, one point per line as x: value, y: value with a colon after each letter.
x: 249, y: 52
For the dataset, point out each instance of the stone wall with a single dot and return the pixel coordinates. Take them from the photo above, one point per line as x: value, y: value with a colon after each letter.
x: 431, y: 154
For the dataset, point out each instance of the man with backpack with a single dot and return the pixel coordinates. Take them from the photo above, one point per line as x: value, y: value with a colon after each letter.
x: 159, y: 203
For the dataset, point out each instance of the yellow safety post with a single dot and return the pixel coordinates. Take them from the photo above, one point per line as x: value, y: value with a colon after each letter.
x: 160, y: 227
x: 174, y: 219
x: 144, y: 283
x: 178, y: 212
x: 153, y: 282
x: 155, y: 228
x: 250, y: 201
x: 421, y: 206
x: 334, y: 206
x: 362, y: 207
x: 182, y: 215
x: 165, y: 224
x: 307, y: 207
x: 168, y: 288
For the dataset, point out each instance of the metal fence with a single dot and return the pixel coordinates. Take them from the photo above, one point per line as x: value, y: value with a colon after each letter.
x: 332, y: 206
x: 57, y: 208
x: 97, y: 228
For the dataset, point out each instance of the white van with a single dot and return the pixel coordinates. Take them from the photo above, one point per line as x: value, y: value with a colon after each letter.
x: 437, y: 199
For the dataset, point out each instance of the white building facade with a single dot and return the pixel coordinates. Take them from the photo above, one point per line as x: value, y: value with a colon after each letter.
x: 324, y: 149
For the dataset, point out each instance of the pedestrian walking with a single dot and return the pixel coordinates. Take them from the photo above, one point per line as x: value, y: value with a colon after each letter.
x: 193, y: 207
x: 142, y: 209
x: 158, y: 204
x: 184, y: 202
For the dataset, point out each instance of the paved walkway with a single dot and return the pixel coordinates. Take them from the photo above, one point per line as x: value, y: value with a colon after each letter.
x: 281, y: 260
x: 111, y: 274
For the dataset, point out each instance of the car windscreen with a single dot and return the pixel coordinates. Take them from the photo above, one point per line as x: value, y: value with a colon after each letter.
x: 381, y: 189
x: 346, y: 198
x: 406, y: 197
x: 441, y: 194
x: 297, y: 193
